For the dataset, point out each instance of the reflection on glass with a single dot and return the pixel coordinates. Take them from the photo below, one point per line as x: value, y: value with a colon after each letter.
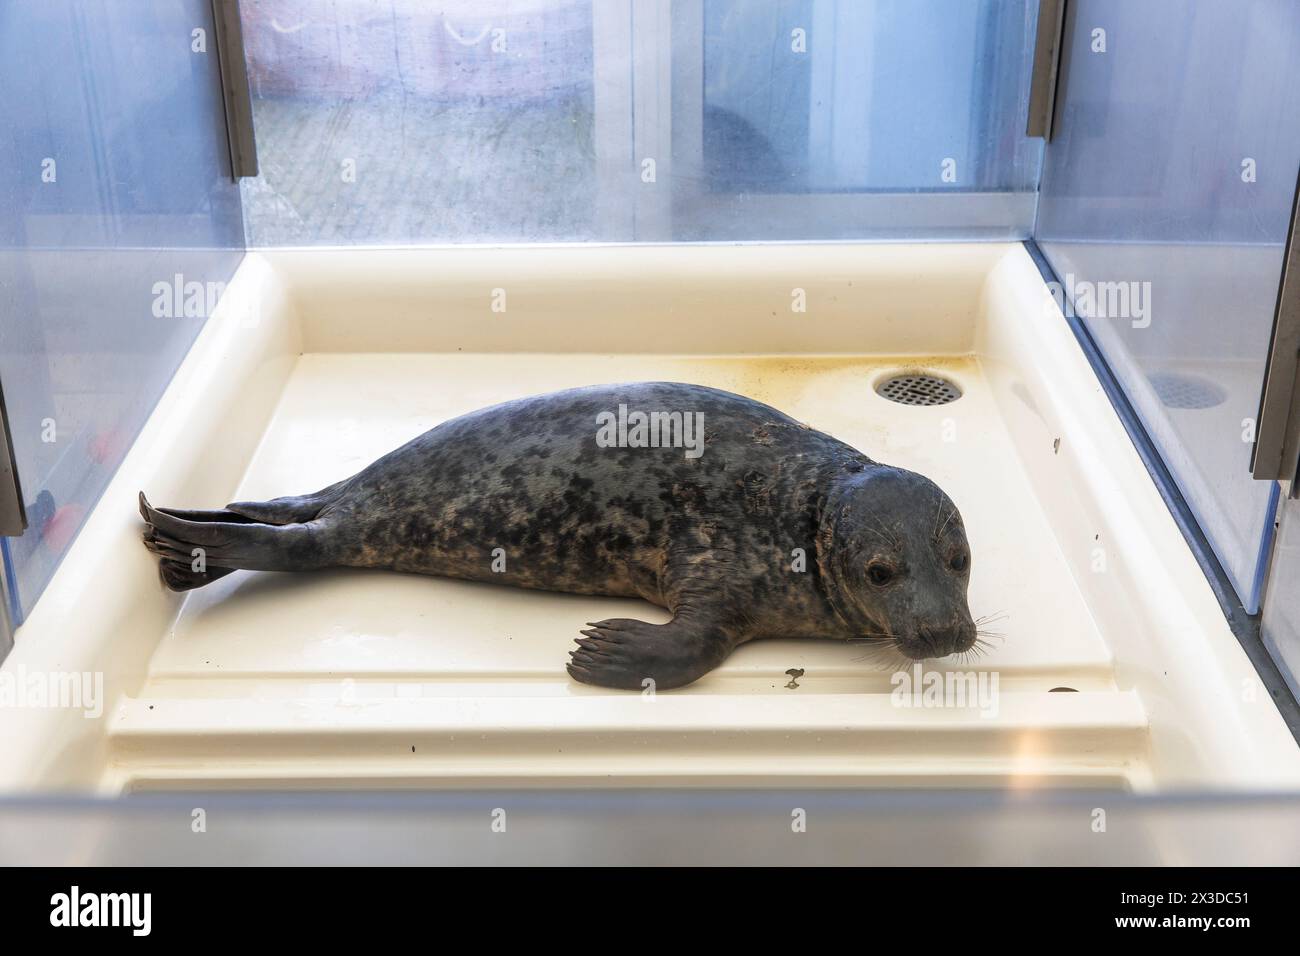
x: 401, y: 122
x: 805, y: 95
x: 398, y: 121
x: 1281, y: 621
x: 1170, y: 180
x: 114, y: 182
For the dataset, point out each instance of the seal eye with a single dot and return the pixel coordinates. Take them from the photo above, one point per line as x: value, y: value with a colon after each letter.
x: 959, y: 561
x: 880, y: 574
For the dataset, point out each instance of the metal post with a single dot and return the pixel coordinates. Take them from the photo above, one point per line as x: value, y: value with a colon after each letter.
x: 13, y: 516
x: 235, y: 93
x: 1276, y: 454
x: 1047, y: 61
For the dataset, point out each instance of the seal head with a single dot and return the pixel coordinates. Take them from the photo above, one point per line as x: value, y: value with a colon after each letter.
x: 894, y: 556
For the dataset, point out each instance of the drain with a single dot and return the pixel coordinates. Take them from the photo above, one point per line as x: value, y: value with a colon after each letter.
x: 1186, y: 391
x: 917, y: 388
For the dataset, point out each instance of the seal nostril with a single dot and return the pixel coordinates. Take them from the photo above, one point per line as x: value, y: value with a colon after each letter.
x: 942, y: 641
x: 938, y: 643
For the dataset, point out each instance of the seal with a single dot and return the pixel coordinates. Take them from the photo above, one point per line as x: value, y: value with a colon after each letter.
x: 739, y: 520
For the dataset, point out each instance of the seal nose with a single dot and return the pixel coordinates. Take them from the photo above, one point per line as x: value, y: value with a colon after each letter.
x: 947, y: 639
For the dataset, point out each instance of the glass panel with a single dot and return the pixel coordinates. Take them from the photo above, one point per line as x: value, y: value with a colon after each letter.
x: 1164, y: 210
x: 402, y: 122
x: 1281, y: 622
x: 910, y: 112
x: 659, y: 827
x: 114, y: 184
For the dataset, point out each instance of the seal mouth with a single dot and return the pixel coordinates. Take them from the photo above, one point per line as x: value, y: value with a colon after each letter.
x: 928, y: 645
x: 920, y: 652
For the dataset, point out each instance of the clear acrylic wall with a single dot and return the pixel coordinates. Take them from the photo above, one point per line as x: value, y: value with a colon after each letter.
x: 1164, y: 206
x: 402, y: 122
x: 115, y: 197
x: 1280, y: 625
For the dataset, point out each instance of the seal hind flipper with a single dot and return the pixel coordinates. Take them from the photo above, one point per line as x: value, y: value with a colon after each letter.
x: 218, y: 515
x: 229, y: 545
x: 181, y: 576
x: 625, y: 653
x: 291, y: 509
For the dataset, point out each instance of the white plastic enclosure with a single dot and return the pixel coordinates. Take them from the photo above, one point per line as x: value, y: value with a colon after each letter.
x: 1115, y: 668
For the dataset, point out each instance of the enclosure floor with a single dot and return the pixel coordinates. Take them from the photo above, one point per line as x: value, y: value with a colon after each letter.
x: 358, y: 679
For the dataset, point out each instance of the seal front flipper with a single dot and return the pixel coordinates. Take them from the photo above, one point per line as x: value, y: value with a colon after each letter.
x: 625, y: 653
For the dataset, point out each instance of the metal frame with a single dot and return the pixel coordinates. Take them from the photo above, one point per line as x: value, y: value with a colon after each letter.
x: 1276, y: 454
x: 235, y: 94
x: 1047, y: 63
x: 13, y: 522
x: 13, y: 515
x: 8, y: 604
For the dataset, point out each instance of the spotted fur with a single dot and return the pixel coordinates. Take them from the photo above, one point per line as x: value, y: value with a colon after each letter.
x: 715, y: 539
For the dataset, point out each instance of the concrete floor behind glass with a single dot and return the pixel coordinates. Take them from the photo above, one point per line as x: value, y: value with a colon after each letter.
x: 421, y: 168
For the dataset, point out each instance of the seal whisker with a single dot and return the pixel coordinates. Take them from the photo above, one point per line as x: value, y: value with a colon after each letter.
x: 890, y: 537
x: 946, y: 521
x: 882, y: 650
x: 883, y: 658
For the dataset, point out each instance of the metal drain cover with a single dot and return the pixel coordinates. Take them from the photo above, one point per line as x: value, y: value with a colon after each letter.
x: 917, y: 388
x: 1186, y: 391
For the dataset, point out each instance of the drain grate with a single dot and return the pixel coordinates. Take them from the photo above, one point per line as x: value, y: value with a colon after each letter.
x: 1186, y: 391
x: 917, y: 388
